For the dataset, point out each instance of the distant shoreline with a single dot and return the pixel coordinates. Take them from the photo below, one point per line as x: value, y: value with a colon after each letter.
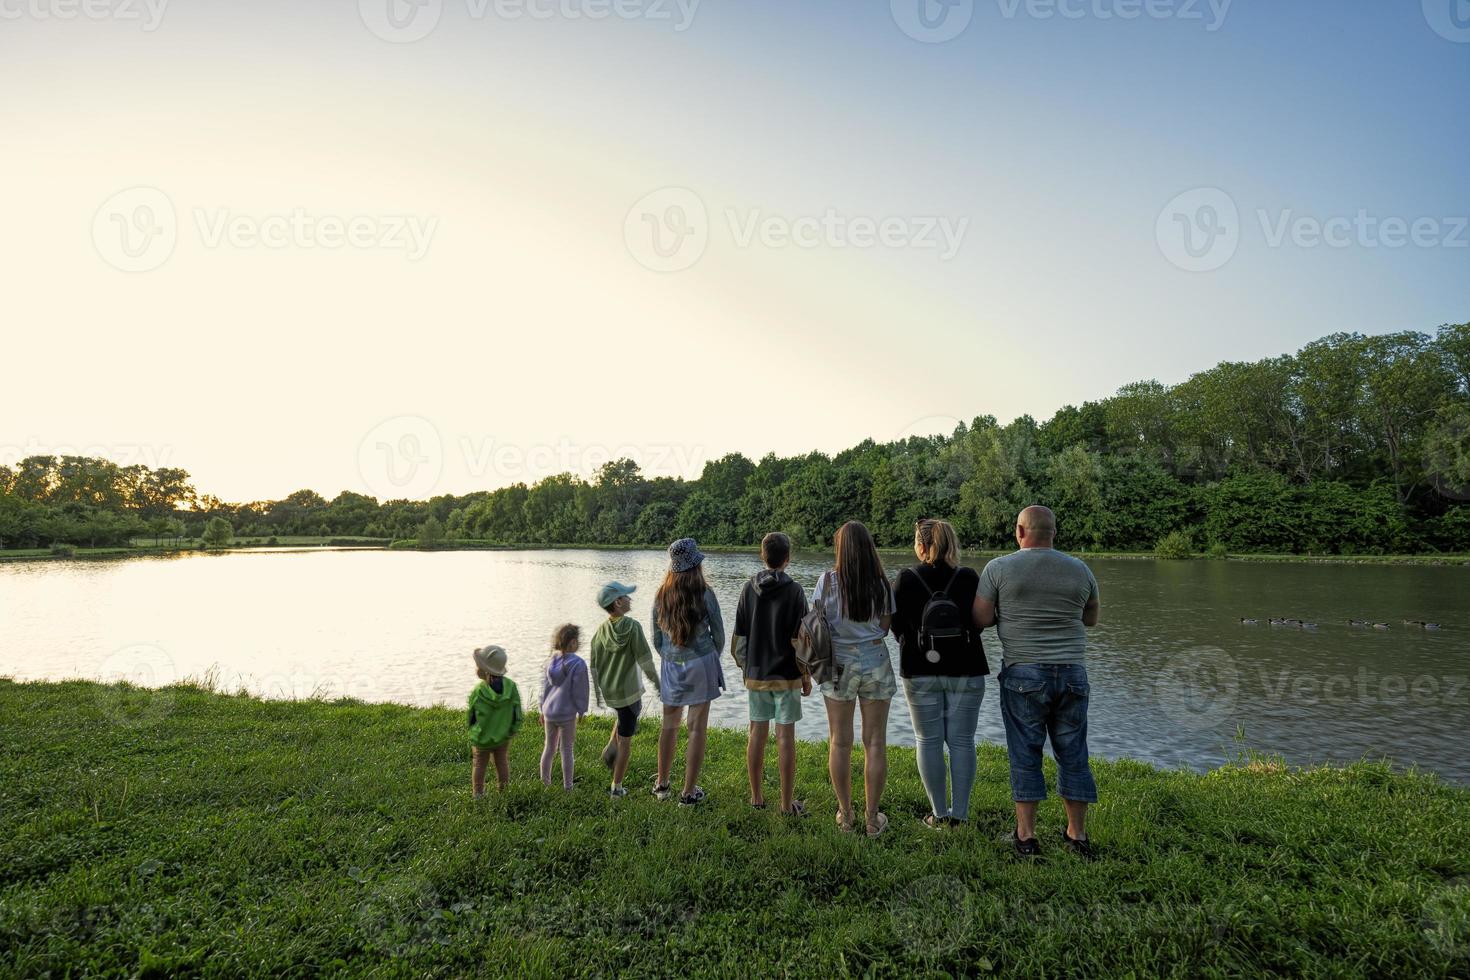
x: 297, y: 545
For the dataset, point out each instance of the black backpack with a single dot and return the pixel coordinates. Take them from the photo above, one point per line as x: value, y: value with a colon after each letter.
x: 942, y: 619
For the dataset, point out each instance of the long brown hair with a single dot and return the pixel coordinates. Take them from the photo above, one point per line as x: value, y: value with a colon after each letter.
x: 679, y: 605
x: 860, y: 577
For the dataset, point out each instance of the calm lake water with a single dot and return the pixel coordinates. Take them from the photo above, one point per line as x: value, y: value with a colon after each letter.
x: 1175, y: 675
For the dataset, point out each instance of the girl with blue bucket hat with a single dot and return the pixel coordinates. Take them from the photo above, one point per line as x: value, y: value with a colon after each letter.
x: 689, y: 637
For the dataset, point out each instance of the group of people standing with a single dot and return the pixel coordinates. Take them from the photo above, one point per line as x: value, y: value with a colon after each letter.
x: 1040, y: 601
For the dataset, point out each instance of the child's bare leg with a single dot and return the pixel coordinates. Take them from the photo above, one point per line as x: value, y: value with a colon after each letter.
x: 786, y: 752
x: 755, y: 761
x: 620, y: 764
x: 568, y: 734
x: 694, y: 750
x: 552, y: 733
x: 477, y: 772
x: 502, y: 766
x: 668, y: 742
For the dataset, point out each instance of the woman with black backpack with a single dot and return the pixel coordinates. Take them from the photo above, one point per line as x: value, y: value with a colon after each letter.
x: 943, y: 666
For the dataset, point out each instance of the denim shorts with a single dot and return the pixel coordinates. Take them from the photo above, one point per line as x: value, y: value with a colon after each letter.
x: 868, y: 676
x: 691, y: 682
x: 782, y: 707
x: 1041, y: 701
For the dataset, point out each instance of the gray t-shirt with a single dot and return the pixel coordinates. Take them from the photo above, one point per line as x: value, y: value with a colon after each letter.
x: 1039, y: 595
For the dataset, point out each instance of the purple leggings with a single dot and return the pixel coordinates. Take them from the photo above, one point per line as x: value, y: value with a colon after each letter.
x: 564, y: 732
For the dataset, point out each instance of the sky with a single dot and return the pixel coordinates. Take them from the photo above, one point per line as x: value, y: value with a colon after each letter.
x: 408, y: 247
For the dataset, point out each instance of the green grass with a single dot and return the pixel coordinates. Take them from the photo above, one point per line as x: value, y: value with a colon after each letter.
x: 185, y: 832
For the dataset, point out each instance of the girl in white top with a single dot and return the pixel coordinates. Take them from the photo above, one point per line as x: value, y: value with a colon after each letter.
x: 858, y: 603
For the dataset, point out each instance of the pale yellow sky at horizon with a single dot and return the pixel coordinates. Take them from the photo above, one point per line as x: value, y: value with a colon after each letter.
x: 246, y: 250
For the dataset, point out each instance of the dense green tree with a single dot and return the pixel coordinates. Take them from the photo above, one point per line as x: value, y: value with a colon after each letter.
x: 217, y: 533
x: 430, y: 533
x: 1353, y: 444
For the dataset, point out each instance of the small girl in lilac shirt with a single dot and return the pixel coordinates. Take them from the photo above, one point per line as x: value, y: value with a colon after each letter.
x: 564, y: 693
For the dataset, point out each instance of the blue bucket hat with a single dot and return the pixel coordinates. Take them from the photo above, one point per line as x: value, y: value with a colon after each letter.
x: 612, y: 592
x: 684, y: 554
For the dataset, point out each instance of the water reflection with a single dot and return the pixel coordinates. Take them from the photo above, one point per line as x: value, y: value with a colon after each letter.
x: 1175, y: 674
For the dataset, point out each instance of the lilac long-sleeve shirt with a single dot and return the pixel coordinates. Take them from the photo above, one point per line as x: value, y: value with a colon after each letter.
x: 564, y: 688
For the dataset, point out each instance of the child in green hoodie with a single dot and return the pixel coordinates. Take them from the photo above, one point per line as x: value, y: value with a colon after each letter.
x: 495, y: 716
x: 619, y: 652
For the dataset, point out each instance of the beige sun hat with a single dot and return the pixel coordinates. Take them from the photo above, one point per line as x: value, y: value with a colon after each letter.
x: 491, y: 660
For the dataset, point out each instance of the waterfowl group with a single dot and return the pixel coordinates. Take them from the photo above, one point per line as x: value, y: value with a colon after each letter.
x: 1355, y: 623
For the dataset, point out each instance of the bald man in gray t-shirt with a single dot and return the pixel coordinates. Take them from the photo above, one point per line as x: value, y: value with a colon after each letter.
x: 1041, y: 597
x: 1042, y: 602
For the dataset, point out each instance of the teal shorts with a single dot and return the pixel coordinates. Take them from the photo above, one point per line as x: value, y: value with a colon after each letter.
x: 782, y: 707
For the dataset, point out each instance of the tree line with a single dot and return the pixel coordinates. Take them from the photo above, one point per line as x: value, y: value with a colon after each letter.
x: 1353, y: 445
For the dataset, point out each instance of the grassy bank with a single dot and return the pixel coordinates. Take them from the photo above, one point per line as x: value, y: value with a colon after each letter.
x: 185, y: 832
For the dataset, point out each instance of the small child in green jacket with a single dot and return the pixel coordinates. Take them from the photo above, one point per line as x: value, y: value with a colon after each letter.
x: 495, y: 716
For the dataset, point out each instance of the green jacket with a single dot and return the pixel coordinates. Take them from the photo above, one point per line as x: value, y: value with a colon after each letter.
x: 494, y: 718
x: 619, y: 651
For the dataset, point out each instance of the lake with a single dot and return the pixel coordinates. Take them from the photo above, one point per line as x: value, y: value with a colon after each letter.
x: 1177, y: 680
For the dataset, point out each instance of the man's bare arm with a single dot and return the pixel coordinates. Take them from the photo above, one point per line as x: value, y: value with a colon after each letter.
x: 983, y: 613
x: 1090, y: 612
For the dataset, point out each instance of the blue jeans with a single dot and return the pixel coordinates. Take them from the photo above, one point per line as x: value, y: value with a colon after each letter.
x: 946, y: 712
x: 1037, y: 700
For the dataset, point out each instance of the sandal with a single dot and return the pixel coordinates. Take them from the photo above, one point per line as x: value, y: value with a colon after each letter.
x: 844, y: 825
x: 798, y: 809
x: 881, y: 825
x: 934, y: 822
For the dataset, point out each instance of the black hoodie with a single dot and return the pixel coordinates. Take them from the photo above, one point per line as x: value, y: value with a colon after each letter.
x: 766, y: 621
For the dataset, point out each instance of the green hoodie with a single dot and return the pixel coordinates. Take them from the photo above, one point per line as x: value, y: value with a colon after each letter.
x: 619, y: 650
x: 494, y: 718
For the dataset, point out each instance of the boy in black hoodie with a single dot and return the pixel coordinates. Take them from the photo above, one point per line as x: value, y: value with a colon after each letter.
x: 766, y: 621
